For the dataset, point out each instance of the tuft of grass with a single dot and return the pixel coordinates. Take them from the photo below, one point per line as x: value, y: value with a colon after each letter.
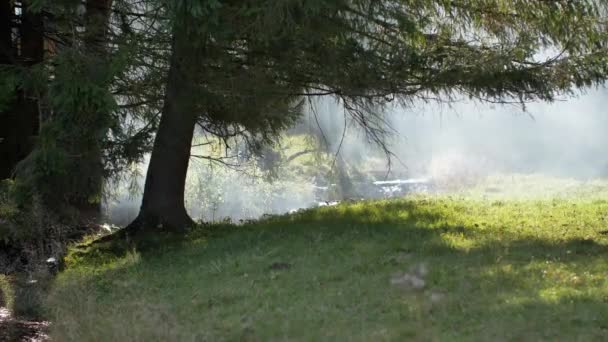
x: 7, y: 294
x: 498, y: 269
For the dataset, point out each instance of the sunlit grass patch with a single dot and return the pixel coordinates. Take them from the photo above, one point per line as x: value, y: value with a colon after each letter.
x: 498, y: 269
x: 539, y: 187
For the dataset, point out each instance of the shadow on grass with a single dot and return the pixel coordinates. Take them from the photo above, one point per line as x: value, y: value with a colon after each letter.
x: 498, y: 285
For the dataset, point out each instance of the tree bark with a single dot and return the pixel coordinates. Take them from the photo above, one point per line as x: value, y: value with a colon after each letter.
x: 19, y: 124
x: 6, y: 57
x: 32, y: 37
x: 6, y: 49
x: 163, y: 199
x: 97, y: 19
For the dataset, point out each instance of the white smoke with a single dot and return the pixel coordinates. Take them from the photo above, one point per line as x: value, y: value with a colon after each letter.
x: 454, y: 145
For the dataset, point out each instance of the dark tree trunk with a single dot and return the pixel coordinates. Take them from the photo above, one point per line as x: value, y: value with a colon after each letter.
x: 32, y: 37
x: 6, y: 49
x: 6, y: 57
x: 163, y: 199
x: 97, y: 19
x: 19, y: 123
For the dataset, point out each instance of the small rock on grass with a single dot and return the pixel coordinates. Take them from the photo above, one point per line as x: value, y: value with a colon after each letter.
x: 436, y: 297
x: 409, y: 281
x: 414, y: 279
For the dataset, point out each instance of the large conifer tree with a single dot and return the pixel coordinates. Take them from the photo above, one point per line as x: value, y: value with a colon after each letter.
x: 235, y: 62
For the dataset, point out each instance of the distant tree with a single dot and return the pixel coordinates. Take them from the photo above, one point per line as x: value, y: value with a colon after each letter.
x: 245, y: 63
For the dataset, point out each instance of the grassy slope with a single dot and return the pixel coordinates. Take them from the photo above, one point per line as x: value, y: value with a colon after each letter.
x: 499, y: 269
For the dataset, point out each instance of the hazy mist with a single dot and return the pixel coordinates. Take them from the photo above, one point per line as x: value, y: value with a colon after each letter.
x: 442, y: 142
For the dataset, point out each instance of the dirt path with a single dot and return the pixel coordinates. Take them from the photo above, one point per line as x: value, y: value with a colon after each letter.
x: 23, y: 331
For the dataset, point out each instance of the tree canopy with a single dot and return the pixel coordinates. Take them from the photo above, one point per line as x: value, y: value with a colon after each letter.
x: 367, y: 54
x: 244, y: 68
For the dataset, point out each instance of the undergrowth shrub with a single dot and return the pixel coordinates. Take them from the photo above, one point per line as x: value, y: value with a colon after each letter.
x: 8, y: 211
x: 29, y: 234
x: 30, y: 291
x: 24, y: 294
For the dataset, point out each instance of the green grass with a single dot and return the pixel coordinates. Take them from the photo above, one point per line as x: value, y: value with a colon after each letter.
x: 6, y: 292
x: 500, y: 269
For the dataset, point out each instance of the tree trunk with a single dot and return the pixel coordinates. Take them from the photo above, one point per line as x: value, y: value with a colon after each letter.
x: 163, y: 199
x: 32, y: 37
x: 6, y: 57
x: 6, y: 49
x: 344, y: 182
x: 19, y: 124
x: 97, y: 19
